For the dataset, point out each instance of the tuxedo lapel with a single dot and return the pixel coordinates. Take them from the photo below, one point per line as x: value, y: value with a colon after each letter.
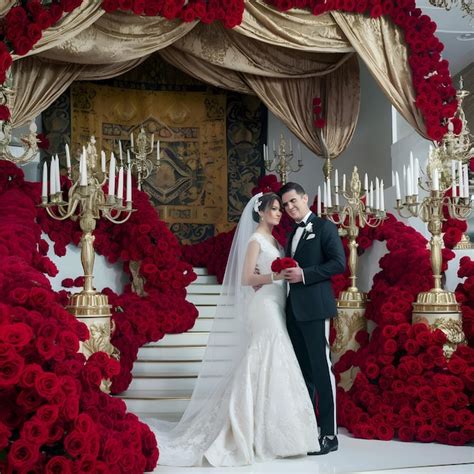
x: 302, y: 241
x: 290, y: 240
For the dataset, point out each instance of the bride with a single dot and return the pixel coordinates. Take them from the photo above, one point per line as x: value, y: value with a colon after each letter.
x: 250, y: 402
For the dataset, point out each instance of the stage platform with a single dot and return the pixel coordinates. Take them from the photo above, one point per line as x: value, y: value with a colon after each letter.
x: 358, y: 456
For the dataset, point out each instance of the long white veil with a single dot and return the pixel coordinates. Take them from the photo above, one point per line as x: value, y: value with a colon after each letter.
x: 185, y: 442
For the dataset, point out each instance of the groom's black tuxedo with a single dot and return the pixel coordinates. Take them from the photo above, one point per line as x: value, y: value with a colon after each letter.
x: 310, y: 306
x: 320, y: 254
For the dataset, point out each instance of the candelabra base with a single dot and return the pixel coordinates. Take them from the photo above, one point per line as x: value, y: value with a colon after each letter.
x: 93, y: 309
x: 440, y: 310
x: 464, y: 244
x: 349, y: 321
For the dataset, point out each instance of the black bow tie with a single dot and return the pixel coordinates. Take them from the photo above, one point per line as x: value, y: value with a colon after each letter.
x: 301, y: 224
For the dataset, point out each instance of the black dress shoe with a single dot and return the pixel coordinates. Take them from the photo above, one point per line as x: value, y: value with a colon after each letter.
x: 327, y: 445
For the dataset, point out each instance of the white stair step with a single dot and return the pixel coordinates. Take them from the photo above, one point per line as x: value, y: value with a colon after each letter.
x: 203, y: 299
x: 205, y: 279
x: 156, y: 401
x: 166, y: 367
x: 200, y: 271
x: 204, y: 289
x: 206, y: 311
x: 184, y: 339
x: 202, y: 324
x: 171, y: 352
x: 163, y: 382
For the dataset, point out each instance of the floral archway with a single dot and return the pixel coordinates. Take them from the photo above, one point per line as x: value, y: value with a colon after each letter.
x: 310, y: 47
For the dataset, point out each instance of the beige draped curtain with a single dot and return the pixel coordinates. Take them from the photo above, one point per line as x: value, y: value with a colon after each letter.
x: 284, y: 58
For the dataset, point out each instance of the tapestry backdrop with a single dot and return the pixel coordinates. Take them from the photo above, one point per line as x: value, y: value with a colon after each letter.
x: 211, y: 140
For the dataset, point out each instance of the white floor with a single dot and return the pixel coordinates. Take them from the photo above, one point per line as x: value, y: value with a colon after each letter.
x: 357, y: 456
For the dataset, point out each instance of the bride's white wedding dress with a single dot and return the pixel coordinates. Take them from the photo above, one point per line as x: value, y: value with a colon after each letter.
x: 266, y: 411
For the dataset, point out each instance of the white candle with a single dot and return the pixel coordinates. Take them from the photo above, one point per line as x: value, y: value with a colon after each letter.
x: 325, y: 196
x: 460, y: 179
x: 377, y: 193
x: 409, y: 182
x: 68, y: 157
x: 466, y: 181
x: 128, y: 157
x: 158, y: 151
x: 58, y: 175
x: 393, y: 178
x: 336, y: 195
x: 52, y: 179
x: 112, y: 175
x: 102, y: 161
x: 453, y: 178
x: 83, y: 181
x: 344, y: 182
x: 120, y: 183
x: 120, y: 152
x: 318, y: 202
x: 435, y: 180
x: 329, y: 193
x: 44, y: 190
x: 371, y: 195
x: 411, y: 176
x: 366, y: 183
x: 382, y: 198
x: 405, y: 189
x: 416, y: 176
x: 336, y: 181
x: 152, y: 141
x: 131, y: 140
x: 397, y: 185
x: 129, y: 185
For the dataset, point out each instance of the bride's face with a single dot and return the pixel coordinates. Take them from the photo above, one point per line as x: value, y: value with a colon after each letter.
x: 272, y: 214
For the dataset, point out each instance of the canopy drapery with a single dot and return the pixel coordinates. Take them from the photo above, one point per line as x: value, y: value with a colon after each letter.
x: 285, y: 58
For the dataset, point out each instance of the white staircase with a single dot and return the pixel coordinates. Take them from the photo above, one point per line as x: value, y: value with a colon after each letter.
x: 165, y: 372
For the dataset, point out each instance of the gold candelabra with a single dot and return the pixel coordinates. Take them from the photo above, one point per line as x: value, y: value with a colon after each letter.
x: 87, y: 201
x: 458, y: 147
x: 437, y: 307
x: 141, y: 149
x: 282, y: 160
x: 359, y: 211
x: 29, y: 141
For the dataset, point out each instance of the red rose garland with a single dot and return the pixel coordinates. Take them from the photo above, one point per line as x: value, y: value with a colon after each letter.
x: 23, y: 26
x: 53, y: 416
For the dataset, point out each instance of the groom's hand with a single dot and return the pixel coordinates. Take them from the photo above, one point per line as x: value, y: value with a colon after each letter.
x: 293, y: 275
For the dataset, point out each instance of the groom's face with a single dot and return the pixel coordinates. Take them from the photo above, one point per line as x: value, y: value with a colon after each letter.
x: 296, y: 205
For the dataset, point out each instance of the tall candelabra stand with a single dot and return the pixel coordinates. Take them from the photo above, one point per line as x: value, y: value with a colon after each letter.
x: 87, y: 202
x: 29, y: 141
x: 358, y: 212
x: 437, y: 308
x: 458, y: 147
x: 142, y: 148
x: 281, y: 162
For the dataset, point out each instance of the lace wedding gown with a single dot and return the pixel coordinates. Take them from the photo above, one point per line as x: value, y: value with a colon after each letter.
x: 266, y: 412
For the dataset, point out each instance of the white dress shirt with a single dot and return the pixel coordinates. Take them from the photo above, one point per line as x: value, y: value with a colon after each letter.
x: 296, y: 239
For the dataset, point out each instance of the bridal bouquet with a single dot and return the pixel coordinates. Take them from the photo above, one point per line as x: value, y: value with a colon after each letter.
x: 280, y: 264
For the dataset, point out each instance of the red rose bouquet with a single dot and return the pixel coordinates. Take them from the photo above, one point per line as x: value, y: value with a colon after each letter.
x: 280, y: 264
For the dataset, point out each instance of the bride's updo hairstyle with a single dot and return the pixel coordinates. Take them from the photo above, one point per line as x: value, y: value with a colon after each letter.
x: 263, y: 203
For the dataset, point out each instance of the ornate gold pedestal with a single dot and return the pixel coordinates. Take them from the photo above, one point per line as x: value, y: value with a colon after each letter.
x: 350, y: 319
x: 440, y: 310
x: 93, y: 309
x: 464, y: 244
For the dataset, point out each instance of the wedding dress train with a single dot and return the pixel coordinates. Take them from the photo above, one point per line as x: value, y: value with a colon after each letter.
x: 265, y: 411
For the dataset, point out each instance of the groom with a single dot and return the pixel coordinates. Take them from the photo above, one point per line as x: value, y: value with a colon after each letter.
x: 317, y: 248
